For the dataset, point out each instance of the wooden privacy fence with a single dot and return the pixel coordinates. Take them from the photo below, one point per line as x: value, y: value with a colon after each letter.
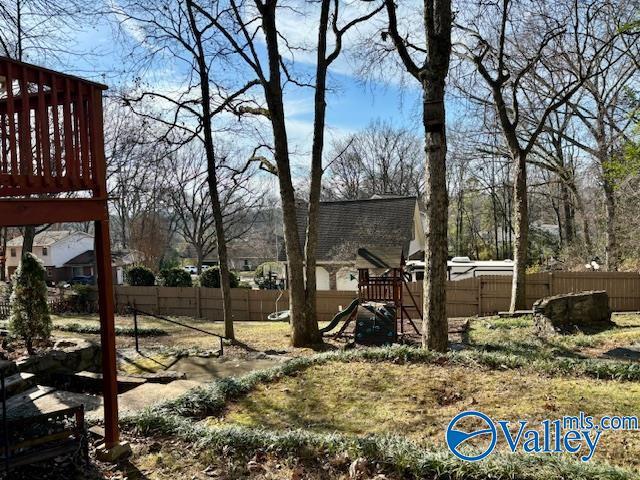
x: 484, y: 295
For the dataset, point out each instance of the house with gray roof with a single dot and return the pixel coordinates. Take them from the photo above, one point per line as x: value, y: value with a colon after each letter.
x: 347, y: 225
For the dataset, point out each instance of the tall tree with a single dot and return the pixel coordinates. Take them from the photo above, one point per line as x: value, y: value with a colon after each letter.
x: 519, y: 52
x: 603, y: 109
x: 431, y: 73
x: 380, y: 160
x: 236, y: 23
x: 191, y: 203
x: 181, y: 29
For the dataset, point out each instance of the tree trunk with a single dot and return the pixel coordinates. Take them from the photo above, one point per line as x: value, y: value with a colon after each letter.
x: 304, y: 330
x: 557, y: 210
x: 611, y: 254
x: 585, y: 222
x: 460, y: 222
x: 212, y: 179
x: 521, y: 230
x: 315, y: 188
x: 199, y: 259
x: 434, y: 324
x: 569, y: 216
x: 27, y: 239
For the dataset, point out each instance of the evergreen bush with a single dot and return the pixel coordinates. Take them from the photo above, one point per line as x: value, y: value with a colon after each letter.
x: 176, y: 277
x: 30, y: 319
x: 210, y: 278
x: 140, y: 276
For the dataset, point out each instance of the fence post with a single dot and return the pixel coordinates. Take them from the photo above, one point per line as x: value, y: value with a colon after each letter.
x: 248, y: 304
x: 158, y: 300
x: 479, y: 295
x: 198, y: 303
x: 551, y: 284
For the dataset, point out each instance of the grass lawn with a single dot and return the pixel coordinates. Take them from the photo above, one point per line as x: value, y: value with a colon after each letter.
x: 505, y: 371
x: 418, y: 401
x: 516, y: 336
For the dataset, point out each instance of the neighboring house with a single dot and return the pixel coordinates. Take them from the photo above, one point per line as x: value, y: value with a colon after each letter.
x: 65, y: 255
x: 247, y: 253
x: 346, y: 225
x: 53, y: 248
x: 84, y: 265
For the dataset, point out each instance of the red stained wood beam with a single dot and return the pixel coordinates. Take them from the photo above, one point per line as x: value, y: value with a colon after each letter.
x: 17, y: 212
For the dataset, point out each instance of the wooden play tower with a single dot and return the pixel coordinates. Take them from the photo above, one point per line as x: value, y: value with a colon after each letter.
x: 52, y: 169
x: 381, y: 279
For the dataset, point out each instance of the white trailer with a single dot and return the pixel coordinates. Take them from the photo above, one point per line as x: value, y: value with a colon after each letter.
x: 459, y: 268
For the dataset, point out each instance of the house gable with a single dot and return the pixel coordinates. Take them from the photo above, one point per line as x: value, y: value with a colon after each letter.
x: 346, y: 225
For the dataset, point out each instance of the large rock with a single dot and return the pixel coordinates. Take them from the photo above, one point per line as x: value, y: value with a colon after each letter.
x: 572, y: 312
x: 71, y: 355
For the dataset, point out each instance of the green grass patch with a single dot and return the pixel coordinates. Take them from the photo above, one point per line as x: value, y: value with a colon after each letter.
x: 209, y: 400
x: 516, y: 336
x: 417, y: 401
x: 120, y: 331
x: 409, y: 391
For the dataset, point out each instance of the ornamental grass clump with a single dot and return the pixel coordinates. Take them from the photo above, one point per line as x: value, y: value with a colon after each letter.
x: 29, y: 318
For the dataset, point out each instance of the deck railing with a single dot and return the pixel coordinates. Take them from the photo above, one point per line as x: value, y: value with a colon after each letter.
x: 50, y: 131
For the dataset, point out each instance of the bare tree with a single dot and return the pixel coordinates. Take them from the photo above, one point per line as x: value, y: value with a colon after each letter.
x: 191, y: 203
x: 520, y: 53
x: 555, y: 154
x: 182, y: 29
x: 380, y: 160
x: 242, y: 24
x: 603, y: 110
x: 135, y: 166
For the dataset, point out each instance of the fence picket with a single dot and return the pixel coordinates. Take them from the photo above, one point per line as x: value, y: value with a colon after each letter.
x: 484, y: 295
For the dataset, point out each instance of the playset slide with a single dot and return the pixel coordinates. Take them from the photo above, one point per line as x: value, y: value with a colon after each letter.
x: 342, y: 315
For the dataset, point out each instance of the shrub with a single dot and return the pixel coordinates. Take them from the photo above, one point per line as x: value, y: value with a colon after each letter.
x: 120, y: 331
x: 140, y: 276
x: 29, y: 317
x: 83, y: 299
x: 210, y: 278
x: 5, y: 293
x: 176, y: 277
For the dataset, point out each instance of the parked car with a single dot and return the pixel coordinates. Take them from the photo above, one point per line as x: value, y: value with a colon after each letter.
x: 83, y: 280
x: 191, y: 269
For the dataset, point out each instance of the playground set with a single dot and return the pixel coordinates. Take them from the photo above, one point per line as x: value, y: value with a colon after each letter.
x: 381, y: 312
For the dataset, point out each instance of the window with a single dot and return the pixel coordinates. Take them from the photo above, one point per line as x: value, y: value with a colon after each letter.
x: 13, y: 252
x: 45, y: 251
x: 49, y: 271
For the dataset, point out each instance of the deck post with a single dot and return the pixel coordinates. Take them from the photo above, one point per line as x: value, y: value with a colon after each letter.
x: 107, y: 333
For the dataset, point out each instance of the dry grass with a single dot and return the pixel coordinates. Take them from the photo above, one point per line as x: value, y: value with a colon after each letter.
x: 258, y: 336
x: 419, y: 400
x: 516, y: 336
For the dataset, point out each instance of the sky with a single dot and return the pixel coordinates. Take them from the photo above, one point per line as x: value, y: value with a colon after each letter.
x: 352, y: 103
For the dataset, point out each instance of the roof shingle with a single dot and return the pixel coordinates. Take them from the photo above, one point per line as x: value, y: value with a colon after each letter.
x: 346, y: 225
